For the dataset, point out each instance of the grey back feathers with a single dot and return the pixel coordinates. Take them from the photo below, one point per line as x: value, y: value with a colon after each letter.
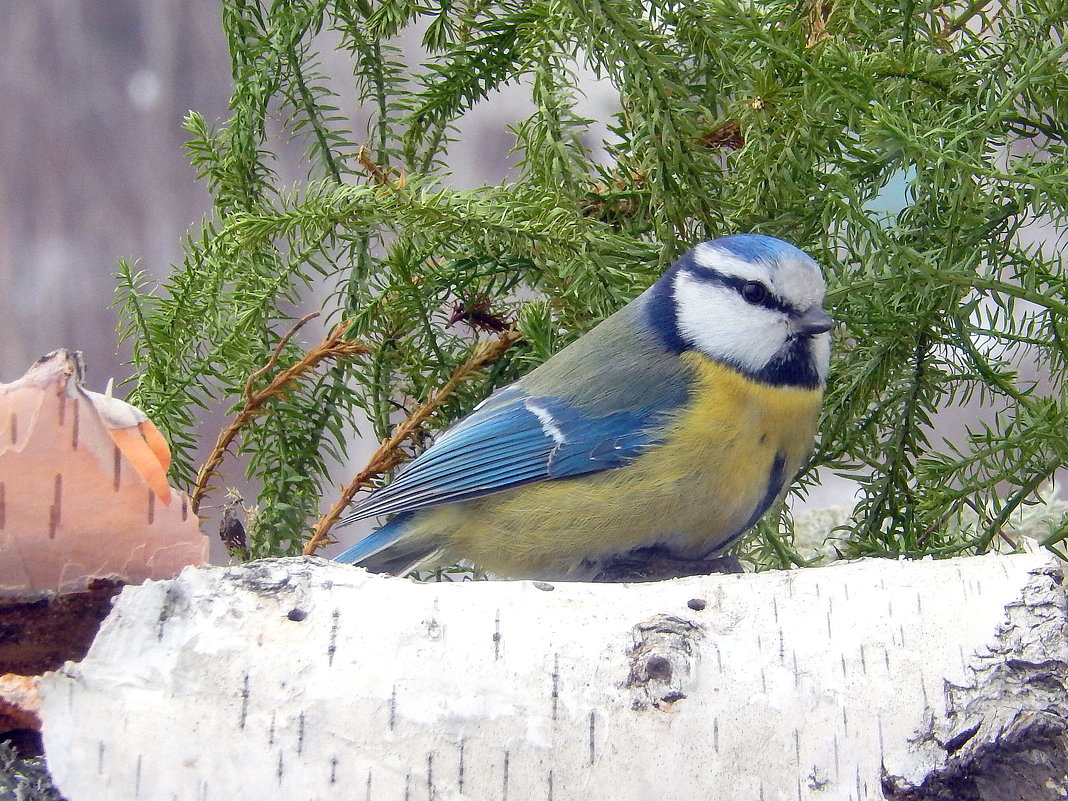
x: 639, y: 372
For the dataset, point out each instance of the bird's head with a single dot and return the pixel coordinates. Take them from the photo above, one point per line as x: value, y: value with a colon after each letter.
x: 752, y: 302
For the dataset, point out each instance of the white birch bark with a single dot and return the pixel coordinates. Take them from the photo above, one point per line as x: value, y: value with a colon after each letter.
x: 302, y: 679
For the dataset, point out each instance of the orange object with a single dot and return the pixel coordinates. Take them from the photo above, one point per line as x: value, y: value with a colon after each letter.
x: 83, y: 487
x: 19, y: 702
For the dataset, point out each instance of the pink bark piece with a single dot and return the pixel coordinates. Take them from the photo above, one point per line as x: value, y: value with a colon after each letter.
x: 73, y: 505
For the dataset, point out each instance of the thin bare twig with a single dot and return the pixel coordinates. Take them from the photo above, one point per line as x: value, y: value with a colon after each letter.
x: 333, y: 347
x: 271, y: 362
x: 389, y: 454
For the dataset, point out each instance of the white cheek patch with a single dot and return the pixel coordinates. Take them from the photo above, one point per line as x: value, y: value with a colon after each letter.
x: 716, y: 321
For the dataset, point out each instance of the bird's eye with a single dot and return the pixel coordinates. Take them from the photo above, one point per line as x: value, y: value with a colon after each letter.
x: 754, y: 292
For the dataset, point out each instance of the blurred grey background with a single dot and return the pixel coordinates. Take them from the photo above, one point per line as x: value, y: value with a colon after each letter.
x: 92, y: 168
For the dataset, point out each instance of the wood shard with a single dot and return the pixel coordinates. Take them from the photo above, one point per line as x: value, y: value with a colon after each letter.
x: 74, y: 469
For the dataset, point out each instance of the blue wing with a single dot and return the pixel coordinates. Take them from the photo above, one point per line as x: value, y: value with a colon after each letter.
x: 578, y: 413
x: 515, y: 439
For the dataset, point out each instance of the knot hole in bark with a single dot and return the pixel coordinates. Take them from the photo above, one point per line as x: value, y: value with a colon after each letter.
x: 661, y: 662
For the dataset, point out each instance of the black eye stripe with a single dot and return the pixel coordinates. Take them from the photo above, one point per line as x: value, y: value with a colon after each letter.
x: 770, y: 301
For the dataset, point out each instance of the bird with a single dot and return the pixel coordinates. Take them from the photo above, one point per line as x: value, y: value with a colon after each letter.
x: 660, y: 436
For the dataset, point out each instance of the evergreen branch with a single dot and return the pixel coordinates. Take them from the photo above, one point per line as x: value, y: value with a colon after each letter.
x: 1006, y: 288
x: 969, y: 281
x: 389, y: 453
x: 1027, y: 490
x: 334, y: 346
x: 499, y: 219
x: 192, y: 321
x: 786, y: 556
x: 1016, y: 124
x: 1009, y: 97
x: 471, y: 71
x: 133, y: 320
x: 380, y: 80
x: 1058, y: 533
x: 311, y: 110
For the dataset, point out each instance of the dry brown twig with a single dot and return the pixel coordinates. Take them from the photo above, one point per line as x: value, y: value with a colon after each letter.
x: 382, y: 176
x: 819, y: 12
x: 332, y: 347
x: 389, y: 454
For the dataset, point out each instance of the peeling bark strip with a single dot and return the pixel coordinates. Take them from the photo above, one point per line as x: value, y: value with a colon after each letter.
x: 1005, y: 731
x: 628, y: 692
x: 74, y: 481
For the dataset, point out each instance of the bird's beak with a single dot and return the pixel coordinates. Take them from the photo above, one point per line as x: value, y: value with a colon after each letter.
x: 814, y: 321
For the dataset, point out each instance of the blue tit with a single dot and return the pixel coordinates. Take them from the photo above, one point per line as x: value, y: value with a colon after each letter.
x: 668, y: 429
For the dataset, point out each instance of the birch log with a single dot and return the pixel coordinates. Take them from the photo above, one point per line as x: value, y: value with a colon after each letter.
x: 303, y: 679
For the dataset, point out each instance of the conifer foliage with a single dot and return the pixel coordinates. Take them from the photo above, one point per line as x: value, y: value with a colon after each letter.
x: 910, y: 148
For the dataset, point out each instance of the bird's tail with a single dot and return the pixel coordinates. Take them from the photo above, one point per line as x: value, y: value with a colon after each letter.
x: 386, y: 550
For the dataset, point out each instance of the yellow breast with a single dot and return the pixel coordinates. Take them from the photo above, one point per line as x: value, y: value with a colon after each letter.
x: 723, y: 448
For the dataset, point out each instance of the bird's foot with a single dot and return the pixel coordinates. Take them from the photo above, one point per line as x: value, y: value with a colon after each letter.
x: 656, y: 564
